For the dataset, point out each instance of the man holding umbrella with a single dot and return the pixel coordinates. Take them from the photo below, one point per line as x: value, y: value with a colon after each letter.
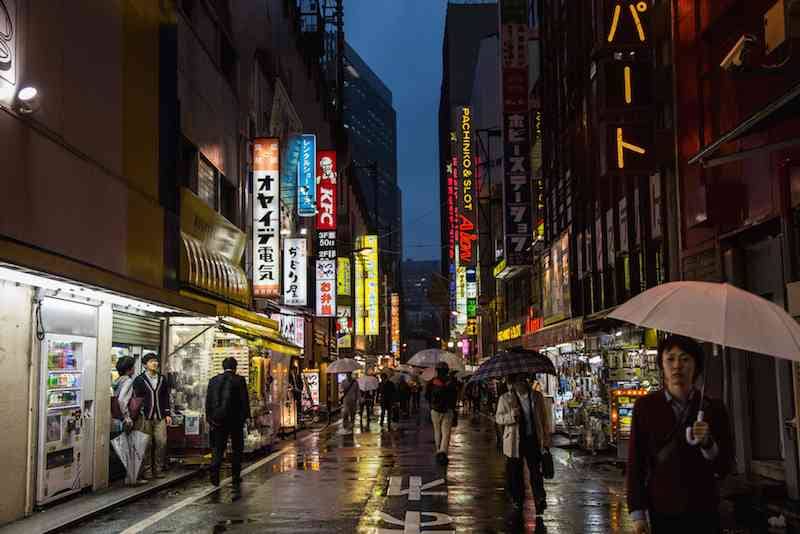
x: 673, y: 472
x: 525, y: 419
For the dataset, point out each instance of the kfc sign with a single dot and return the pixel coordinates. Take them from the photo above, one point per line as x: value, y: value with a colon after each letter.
x: 326, y: 190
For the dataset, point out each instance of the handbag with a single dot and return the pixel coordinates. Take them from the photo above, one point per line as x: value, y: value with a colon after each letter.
x: 548, y: 469
x: 135, y: 406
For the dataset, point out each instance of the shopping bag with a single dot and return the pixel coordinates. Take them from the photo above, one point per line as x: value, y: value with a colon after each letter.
x: 548, y: 469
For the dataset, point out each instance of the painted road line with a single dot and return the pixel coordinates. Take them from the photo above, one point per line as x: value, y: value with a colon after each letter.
x: 166, y: 512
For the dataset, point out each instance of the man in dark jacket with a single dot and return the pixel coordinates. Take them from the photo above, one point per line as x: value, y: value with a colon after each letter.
x: 388, y: 394
x: 227, y: 409
x: 673, y: 482
x: 442, y: 395
x: 152, y: 387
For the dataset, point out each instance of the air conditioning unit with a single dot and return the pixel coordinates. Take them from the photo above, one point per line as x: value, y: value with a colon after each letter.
x: 781, y: 23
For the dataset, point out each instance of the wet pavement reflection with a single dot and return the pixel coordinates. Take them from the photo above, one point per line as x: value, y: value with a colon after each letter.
x: 376, y: 481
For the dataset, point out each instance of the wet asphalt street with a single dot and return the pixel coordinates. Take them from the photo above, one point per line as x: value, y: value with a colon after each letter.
x: 381, y: 482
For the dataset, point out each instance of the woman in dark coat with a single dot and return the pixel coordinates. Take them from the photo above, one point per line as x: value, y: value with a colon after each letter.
x: 669, y: 480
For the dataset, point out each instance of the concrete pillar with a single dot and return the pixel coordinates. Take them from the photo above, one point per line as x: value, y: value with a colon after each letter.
x: 102, y: 415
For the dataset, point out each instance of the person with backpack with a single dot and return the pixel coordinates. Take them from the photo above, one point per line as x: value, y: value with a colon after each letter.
x: 227, y: 410
x: 350, y: 394
x: 442, y: 395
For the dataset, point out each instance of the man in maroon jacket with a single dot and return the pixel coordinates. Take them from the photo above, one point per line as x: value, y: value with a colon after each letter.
x: 670, y: 480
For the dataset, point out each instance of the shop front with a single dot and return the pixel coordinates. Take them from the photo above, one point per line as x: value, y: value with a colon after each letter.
x: 196, y: 349
x: 71, y: 333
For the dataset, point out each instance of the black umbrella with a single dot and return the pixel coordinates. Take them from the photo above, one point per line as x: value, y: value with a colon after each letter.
x: 512, y: 362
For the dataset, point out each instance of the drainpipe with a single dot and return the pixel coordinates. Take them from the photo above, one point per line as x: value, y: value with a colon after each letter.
x: 33, y: 412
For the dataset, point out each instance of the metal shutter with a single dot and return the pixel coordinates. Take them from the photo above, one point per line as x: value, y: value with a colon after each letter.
x: 133, y: 329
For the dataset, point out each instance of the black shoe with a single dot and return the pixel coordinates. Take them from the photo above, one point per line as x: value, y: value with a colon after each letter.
x: 541, y: 506
x: 236, y: 484
x: 215, y: 479
x: 445, y: 459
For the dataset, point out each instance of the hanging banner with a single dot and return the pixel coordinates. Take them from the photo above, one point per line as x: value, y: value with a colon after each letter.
x: 467, y: 198
x: 396, y: 324
x: 306, y: 176
x: 326, y: 190
x: 366, y: 264
x: 344, y: 327
x: 623, y: 226
x: 598, y: 233
x: 517, y: 191
x: 266, y: 218
x: 612, y: 252
x: 326, y: 282
x: 344, y: 286
x: 656, y: 230
x: 295, y: 271
x: 312, y: 381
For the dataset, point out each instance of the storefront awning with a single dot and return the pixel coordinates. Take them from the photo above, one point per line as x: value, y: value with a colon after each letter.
x: 564, y: 332
x: 786, y: 104
x: 269, y: 338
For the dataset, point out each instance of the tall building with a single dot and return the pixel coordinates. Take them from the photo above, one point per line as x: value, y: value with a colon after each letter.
x: 424, y: 305
x: 466, y: 25
x: 371, y: 124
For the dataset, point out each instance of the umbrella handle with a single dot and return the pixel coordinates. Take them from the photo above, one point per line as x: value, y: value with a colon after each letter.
x: 690, y: 439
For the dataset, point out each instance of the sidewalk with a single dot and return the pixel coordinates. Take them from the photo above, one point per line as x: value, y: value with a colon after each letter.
x: 83, y: 507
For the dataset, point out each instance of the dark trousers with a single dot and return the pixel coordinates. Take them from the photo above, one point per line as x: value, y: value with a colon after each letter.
x: 386, y: 409
x: 219, y: 439
x: 515, y: 472
x: 688, y: 523
x: 366, y: 406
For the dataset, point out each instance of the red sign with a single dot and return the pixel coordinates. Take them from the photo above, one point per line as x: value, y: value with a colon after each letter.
x: 326, y: 190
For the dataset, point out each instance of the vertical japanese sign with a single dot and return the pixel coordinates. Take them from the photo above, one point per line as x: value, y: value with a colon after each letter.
x: 344, y: 327
x: 326, y: 190
x: 396, y: 324
x: 326, y: 233
x: 326, y: 288
x: 306, y: 172
x: 295, y: 272
x: 292, y: 328
x: 344, y: 286
x: 624, y: 244
x: 367, y: 286
x: 266, y: 218
x: 461, y: 296
x: 472, y: 301
x: 312, y: 380
x: 517, y: 194
x: 612, y: 252
x: 598, y: 236
x: 467, y: 234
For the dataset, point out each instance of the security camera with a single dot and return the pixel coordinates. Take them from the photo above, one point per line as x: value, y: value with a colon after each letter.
x: 737, y: 57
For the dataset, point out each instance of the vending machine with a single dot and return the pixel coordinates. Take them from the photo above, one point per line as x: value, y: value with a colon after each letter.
x: 66, y: 415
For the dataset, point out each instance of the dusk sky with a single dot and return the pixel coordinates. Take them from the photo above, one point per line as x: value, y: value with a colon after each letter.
x: 402, y: 42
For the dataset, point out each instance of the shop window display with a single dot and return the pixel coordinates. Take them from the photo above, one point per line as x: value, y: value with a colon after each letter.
x: 201, y: 347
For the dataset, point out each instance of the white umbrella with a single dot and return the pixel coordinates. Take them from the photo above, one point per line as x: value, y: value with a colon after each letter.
x: 368, y: 383
x: 343, y: 365
x: 716, y: 313
x: 430, y: 357
x: 131, y: 448
x: 405, y: 368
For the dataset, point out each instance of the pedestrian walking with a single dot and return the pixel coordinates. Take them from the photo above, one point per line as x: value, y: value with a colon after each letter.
x: 152, y: 387
x: 350, y: 395
x: 297, y: 385
x: 404, y: 394
x: 525, y: 419
x: 441, y: 394
x: 674, y: 483
x: 388, y: 393
x: 416, y: 395
x: 227, y: 410
x: 366, y: 405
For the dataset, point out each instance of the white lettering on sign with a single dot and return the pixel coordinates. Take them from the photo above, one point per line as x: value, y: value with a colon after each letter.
x: 413, y: 523
x: 416, y: 489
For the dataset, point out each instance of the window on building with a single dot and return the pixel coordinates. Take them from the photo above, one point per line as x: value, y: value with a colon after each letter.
x: 228, y: 200
x: 207, y: 182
